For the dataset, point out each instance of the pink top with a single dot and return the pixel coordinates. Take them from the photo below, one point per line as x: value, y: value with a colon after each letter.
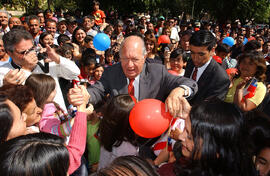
x: 77, y: 140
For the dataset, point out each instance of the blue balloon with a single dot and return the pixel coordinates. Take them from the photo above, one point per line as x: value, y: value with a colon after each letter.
x: 229, y: 41
x: 245, y: 41
x: 102, y: 41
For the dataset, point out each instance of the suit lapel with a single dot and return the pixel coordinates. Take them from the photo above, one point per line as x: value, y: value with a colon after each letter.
x: 206, y: 75
x: 189, y: 69
x: 144, y: 83
x: 122, y: 81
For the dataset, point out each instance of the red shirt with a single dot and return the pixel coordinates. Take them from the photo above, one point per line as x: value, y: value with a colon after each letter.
x: 99, y: 15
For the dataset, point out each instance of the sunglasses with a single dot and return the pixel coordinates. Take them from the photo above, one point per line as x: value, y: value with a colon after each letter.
x: 25, y: 52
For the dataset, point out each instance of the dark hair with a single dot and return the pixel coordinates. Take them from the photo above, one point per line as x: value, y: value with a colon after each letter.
x: 96, y: 2
x: 62, y: 38
x: 109, y: 52
x: 186, y: 32
x: 20, y: 95
x: 15, y: 36
x: 130, y: 166
x: 33, y: 17
x: 91, y: 17
x: 153, y: 40
x: 88, y: 57
x: 6, y: 118
x: 42, y: 86
x: 50, y: 21
x: 139, y: 27
x: 65, y: 49
x: 252, y: 45
x: 222, y: 47
x: 35, y: 154
x: 48, y: 11
x: 257, y: 126
x: 88, y: 38
x: 257, y: 58
x: 203, y: 38
x: 114, y: 127
x: 176, y: 53
x: 217, y: 132
x: 42, y: 36
x: 74, y: 40
x: 38, y: 11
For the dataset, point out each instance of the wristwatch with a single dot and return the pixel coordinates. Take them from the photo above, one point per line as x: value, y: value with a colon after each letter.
x: 186, y: 92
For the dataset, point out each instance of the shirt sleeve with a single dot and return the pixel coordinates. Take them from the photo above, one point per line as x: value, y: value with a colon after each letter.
x: 66, y: 69
x: 259, y: 94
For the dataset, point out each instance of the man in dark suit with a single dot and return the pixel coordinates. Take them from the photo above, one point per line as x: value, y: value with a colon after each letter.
x: 211, y: 78
x: 145, y: 80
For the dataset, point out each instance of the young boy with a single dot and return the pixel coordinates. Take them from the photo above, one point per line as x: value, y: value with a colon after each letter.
x: 98, y: 14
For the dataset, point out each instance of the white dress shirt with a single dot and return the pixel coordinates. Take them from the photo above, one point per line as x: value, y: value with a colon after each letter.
x: 200, y: 70
x: 136, y: 87
x: 66, y: 69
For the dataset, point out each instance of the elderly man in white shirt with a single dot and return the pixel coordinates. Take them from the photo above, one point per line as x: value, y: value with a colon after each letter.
x: 19, y: 46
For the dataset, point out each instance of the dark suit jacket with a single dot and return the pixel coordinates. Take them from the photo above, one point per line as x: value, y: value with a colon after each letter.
x: 155, y: 82
x: 214, y: 81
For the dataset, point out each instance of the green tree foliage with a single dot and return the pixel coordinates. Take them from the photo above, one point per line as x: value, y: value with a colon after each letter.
x: 244, y: 10
x: 221, y: 10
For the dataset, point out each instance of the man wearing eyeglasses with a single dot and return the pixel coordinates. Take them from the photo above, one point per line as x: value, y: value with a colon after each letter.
x: 24, y: 61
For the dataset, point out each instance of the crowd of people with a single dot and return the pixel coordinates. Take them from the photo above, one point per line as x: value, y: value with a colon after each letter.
x: 65, y: 105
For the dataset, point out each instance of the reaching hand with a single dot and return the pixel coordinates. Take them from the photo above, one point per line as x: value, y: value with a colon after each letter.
x: 52, y: 55
x: 177, y: 105
x: 15, y: 77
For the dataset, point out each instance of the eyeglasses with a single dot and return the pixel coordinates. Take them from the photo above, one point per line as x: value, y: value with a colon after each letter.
x: 25, y: 52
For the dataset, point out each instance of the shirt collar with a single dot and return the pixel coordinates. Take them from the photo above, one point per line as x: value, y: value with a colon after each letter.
x: 205, y: 65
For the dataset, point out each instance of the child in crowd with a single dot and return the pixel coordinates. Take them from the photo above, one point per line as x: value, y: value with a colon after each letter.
x: 56, y: 122
x: 53, y: 120
x: 115, y: 134
x: 93, y: 145
x: 109, y: 54
x: 88, y: 42
x: 98, y: 14
x: 222, y: 51
x: 66, y: 50
x: 97, y: 73
x: 88, y: 63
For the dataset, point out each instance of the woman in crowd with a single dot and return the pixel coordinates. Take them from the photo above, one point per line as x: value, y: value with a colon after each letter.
x: 23, y: 97
x: 116, y: 136
x: 212, y: 142
x: 78, y: 36
x: 40, y: 154
x: 12, y: 120
x: 248, y: 90
x: 151, y: 49
x: 45, y: 39
x: 177, y: 62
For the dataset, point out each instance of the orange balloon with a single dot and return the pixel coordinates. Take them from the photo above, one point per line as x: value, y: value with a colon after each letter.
x: 164, y: 39
x: 148, y: 118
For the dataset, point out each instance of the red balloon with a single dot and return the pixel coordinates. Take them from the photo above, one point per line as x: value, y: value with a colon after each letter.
x: 164, y: 39
x: 231, y: 71
x: 148, y: 118
x: 173, y: 72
